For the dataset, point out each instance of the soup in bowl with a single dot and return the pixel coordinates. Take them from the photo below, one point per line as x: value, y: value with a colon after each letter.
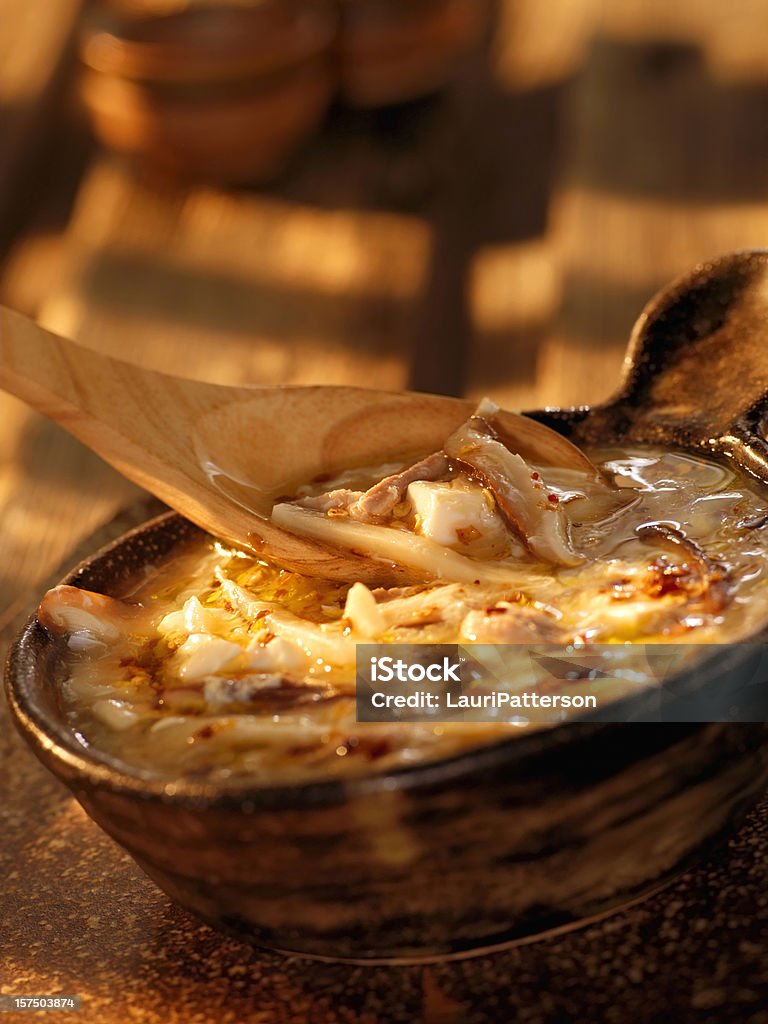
x: 214, y: 663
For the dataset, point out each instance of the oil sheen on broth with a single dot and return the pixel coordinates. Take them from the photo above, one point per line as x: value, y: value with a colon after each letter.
x: 219, y: 665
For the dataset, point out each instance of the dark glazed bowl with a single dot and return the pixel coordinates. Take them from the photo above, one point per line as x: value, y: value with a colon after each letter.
x: 497, y: 844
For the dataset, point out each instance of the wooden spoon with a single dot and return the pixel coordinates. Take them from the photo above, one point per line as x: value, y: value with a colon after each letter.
x: 221, y: 455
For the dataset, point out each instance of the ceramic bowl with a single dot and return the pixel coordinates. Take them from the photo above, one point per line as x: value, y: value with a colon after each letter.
x: 222, y: 95
x: 208, y: 43
x: 392, y: 51
x: 495, y: 845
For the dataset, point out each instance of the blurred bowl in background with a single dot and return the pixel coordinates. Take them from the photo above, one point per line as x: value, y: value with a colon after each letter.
x: 223, y: 93
x: 392, y: 51
x: 209, y: 44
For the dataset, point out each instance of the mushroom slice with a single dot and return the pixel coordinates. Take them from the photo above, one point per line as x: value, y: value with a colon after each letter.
x: 523, y: 498
x: 429, y: 559
x: 711, y: 576
x: 534, y: 441
x: 332, y: 501
x: 260, y: 693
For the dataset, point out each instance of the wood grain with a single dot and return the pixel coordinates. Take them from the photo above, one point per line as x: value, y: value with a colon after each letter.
x: 664, y: 167
x: 239, y: 287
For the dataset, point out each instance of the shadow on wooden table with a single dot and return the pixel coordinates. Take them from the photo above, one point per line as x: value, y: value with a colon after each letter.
x: 663, y: 125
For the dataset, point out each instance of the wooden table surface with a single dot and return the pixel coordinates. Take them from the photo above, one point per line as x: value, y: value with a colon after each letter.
x: 498, y: 240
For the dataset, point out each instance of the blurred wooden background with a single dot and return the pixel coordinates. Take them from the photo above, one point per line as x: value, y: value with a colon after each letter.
x: 500, y: 238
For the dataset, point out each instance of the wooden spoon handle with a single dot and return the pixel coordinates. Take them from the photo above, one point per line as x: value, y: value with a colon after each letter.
x: 115, y: 408
x: 37, y: 366
x: 67, y: 381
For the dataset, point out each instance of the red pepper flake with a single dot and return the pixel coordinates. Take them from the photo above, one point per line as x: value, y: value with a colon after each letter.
x: 553, y: 498
x: 535, y: 476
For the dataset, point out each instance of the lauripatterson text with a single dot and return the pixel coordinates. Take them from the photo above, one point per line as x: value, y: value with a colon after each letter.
x: 495, y: 699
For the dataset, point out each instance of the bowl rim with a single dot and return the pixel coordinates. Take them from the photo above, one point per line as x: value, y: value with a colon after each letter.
x: 125, y: 45
x: 53, y: 739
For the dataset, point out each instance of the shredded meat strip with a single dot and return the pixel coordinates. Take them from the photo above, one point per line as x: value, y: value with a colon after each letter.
x: 379, y: 501
x: 377, y: 504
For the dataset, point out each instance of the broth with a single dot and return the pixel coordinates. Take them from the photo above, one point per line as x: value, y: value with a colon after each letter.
x: 216, y: 664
